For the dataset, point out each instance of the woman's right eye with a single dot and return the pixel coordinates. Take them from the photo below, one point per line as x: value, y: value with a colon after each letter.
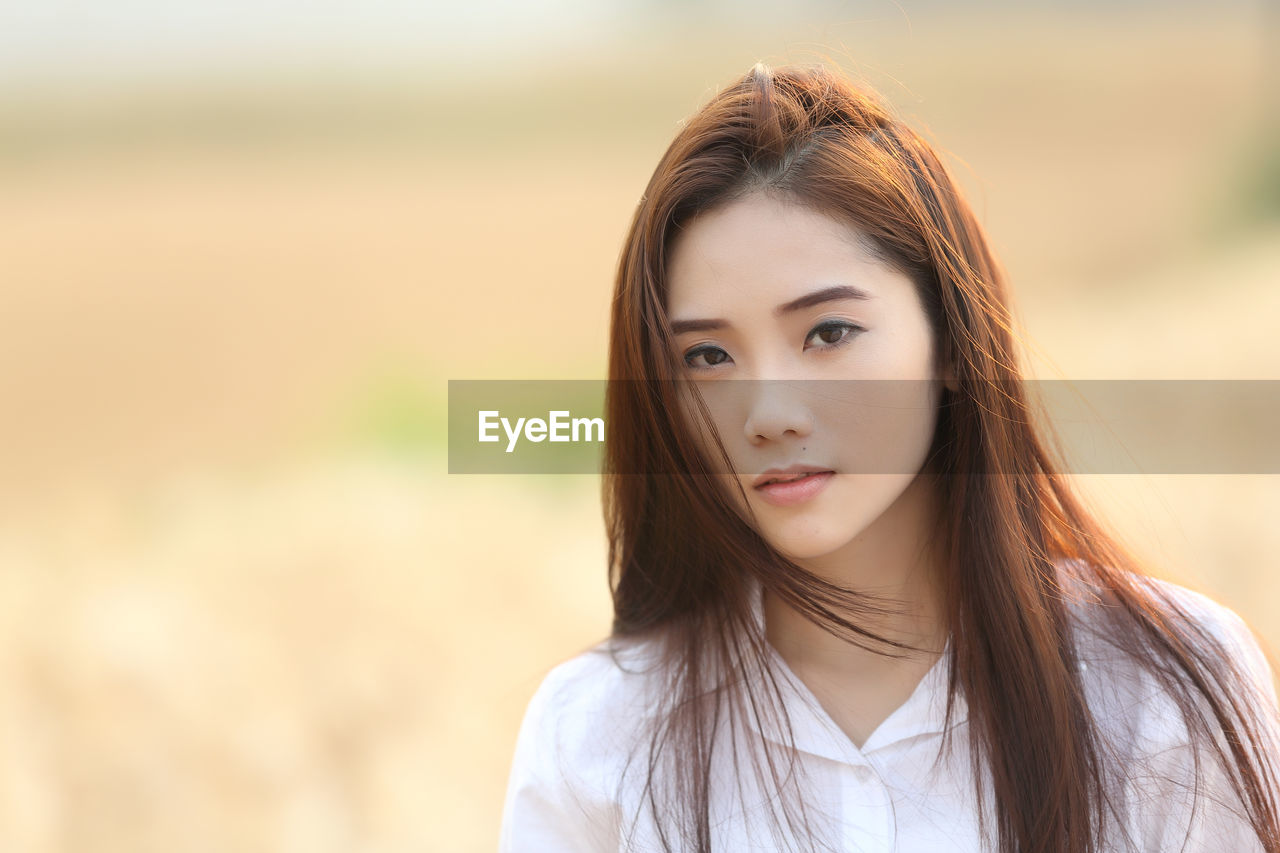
x: 711, y: 356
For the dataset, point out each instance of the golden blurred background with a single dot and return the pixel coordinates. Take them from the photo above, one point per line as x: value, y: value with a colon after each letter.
x: 243, y: 247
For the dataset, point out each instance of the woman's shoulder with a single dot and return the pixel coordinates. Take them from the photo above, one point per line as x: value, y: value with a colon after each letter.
x: 1220, y: 625
x: 1126, y: 693
x: 1223, y: 623
x: 579, y: 732
x: 588, y: 708
x: 613, y: 676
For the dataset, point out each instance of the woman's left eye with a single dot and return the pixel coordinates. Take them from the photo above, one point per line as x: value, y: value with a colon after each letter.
x: 832, y: 334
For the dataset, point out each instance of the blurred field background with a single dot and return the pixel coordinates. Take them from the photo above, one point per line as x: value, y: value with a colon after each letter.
x: 243, y: 247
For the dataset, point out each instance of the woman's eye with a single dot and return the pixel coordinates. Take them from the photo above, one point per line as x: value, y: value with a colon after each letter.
x: 711, y: 357
x: 830, y: 335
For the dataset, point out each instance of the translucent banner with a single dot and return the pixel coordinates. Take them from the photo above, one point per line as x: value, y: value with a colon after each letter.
x: 864, y: 426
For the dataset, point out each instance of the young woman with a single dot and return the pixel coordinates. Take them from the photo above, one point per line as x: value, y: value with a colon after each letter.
x: 856, y: 605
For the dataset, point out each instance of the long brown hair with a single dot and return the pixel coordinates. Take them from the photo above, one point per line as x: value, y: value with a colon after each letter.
x: 682, y: 560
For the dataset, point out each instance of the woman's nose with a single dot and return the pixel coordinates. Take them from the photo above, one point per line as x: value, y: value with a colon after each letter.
x: 776, y: 410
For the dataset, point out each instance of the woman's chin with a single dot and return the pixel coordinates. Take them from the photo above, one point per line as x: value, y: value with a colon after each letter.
x: 798, y: 548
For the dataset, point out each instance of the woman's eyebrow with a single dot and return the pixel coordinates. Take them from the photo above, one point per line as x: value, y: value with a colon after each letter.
x: 827, y: 294
x: 679, y: 327
x: 817, y: 297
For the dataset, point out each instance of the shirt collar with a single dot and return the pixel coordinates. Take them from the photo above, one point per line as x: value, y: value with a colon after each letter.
x: 923, y: 713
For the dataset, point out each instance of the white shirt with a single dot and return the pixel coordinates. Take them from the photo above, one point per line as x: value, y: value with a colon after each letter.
x: 567, y: 790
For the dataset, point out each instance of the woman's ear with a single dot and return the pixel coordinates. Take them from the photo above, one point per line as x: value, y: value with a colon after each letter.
x: 949, y: 377
x: 945, y: 364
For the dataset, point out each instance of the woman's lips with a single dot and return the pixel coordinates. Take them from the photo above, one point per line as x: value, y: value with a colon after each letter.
x: 795, y: 491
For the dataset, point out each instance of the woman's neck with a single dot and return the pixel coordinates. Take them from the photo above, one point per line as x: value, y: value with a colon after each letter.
x: 892, y: 558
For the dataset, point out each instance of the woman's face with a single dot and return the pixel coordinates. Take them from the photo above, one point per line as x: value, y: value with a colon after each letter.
x: 838, y: 355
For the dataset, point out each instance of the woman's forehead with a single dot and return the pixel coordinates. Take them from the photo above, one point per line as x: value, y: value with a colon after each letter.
x: 764, y: 252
